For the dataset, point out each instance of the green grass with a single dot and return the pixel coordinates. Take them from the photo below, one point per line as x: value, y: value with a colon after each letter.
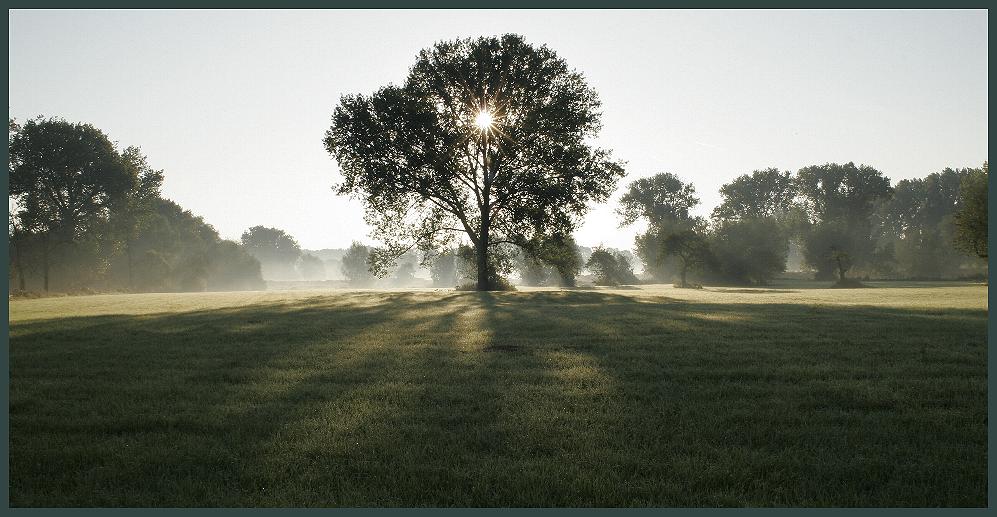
x: 641, y: 397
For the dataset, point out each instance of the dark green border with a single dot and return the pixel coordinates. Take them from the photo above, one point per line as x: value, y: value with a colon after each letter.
x: 508, y: 4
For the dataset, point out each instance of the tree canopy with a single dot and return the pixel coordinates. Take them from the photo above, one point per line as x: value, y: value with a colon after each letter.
x: 487, y: 139
x: 971, y: 219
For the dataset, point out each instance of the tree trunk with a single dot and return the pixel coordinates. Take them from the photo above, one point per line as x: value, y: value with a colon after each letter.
x: 685, y: 266
x: 481, y: 254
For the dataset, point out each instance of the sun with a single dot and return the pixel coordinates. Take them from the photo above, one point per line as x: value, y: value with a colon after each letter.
x: 484, y: 120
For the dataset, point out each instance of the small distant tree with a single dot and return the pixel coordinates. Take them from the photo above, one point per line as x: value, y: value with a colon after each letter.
x: 443, y: 269
x: 842, y: 261
x: 971, y: 217
x: 277, y: 251
x: 405, y: 274
x: 664, y: 202
x: 610, y: 268
x: 356, y: 265
x: 311, y: 267
x: 692, y: 249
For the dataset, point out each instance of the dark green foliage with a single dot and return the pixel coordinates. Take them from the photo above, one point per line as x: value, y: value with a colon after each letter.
x: 356, y: 266
x: 553, y: 261
x: 660, y: 200
x: 428, y: 176
x: 916, y: 225
x: 750, y: 249
x: 647, y: 247
x: 763, y: 193
x: 277, y: 251
x: 85, y: 216
x: 64, y: 179
x: 971, y: 218
x: 750, y: 237
x: 501, y: 262
x: 692, y: 249
x: 610, y: 268
x: 664, y: 202
x: 178, y: 251
x: 837, y: 202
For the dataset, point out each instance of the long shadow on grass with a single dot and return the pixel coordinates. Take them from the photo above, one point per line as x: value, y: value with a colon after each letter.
x: 502, y: 399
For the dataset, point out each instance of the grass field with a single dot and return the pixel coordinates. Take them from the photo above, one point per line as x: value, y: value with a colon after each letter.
x: 640, y: 397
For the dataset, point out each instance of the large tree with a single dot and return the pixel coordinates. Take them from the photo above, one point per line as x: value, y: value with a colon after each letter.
x: 750, y: 238
x: 971, y: 218
x: 664, y: 202
x: 134, y: 211
x: 487, y: 139
x: 837, y: 202
x: 64, y: 180
x: 356, y: 265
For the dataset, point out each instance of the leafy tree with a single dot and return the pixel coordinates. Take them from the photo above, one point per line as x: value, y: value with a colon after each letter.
x: 664, y: 202
x: 763, y: 193
x: 692, y: 249
x: 561, y: 253
x: 311, y: 267
x: 660, y: 200
x: 356, y: 265
x: 487, y: 139
x: 64, y: 178
x: 750, y: 249
x: 971, y: 218
x: 913, y: 226
x: 555, y: 260
x: 610, y: 268
x: 134, y: 211
x: 277, y: 251
x: 750, y: 241
x: 837, y: 202
x: 232, y: 268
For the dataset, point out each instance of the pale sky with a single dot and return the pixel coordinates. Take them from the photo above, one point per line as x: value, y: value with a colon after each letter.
x: 233, y: 105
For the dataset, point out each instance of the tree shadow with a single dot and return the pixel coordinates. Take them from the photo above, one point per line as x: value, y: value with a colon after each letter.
x: 547, y: 398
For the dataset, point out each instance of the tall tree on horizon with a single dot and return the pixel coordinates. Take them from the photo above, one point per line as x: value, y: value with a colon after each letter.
x: 64, y: 180
x: 487, y: 140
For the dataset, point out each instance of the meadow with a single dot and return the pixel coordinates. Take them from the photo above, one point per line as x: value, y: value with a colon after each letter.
x: 647, y: 396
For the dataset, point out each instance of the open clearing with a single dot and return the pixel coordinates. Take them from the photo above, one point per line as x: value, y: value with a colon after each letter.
x: 650, y: 396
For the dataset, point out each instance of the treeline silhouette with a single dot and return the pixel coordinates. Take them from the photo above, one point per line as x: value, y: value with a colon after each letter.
x: 85, y: 216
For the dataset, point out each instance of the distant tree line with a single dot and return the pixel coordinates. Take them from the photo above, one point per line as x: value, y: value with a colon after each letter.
x: 845, y: 220
x: 84, y: 215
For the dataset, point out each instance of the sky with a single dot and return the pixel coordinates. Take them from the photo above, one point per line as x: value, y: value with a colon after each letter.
x: 233, y: 105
